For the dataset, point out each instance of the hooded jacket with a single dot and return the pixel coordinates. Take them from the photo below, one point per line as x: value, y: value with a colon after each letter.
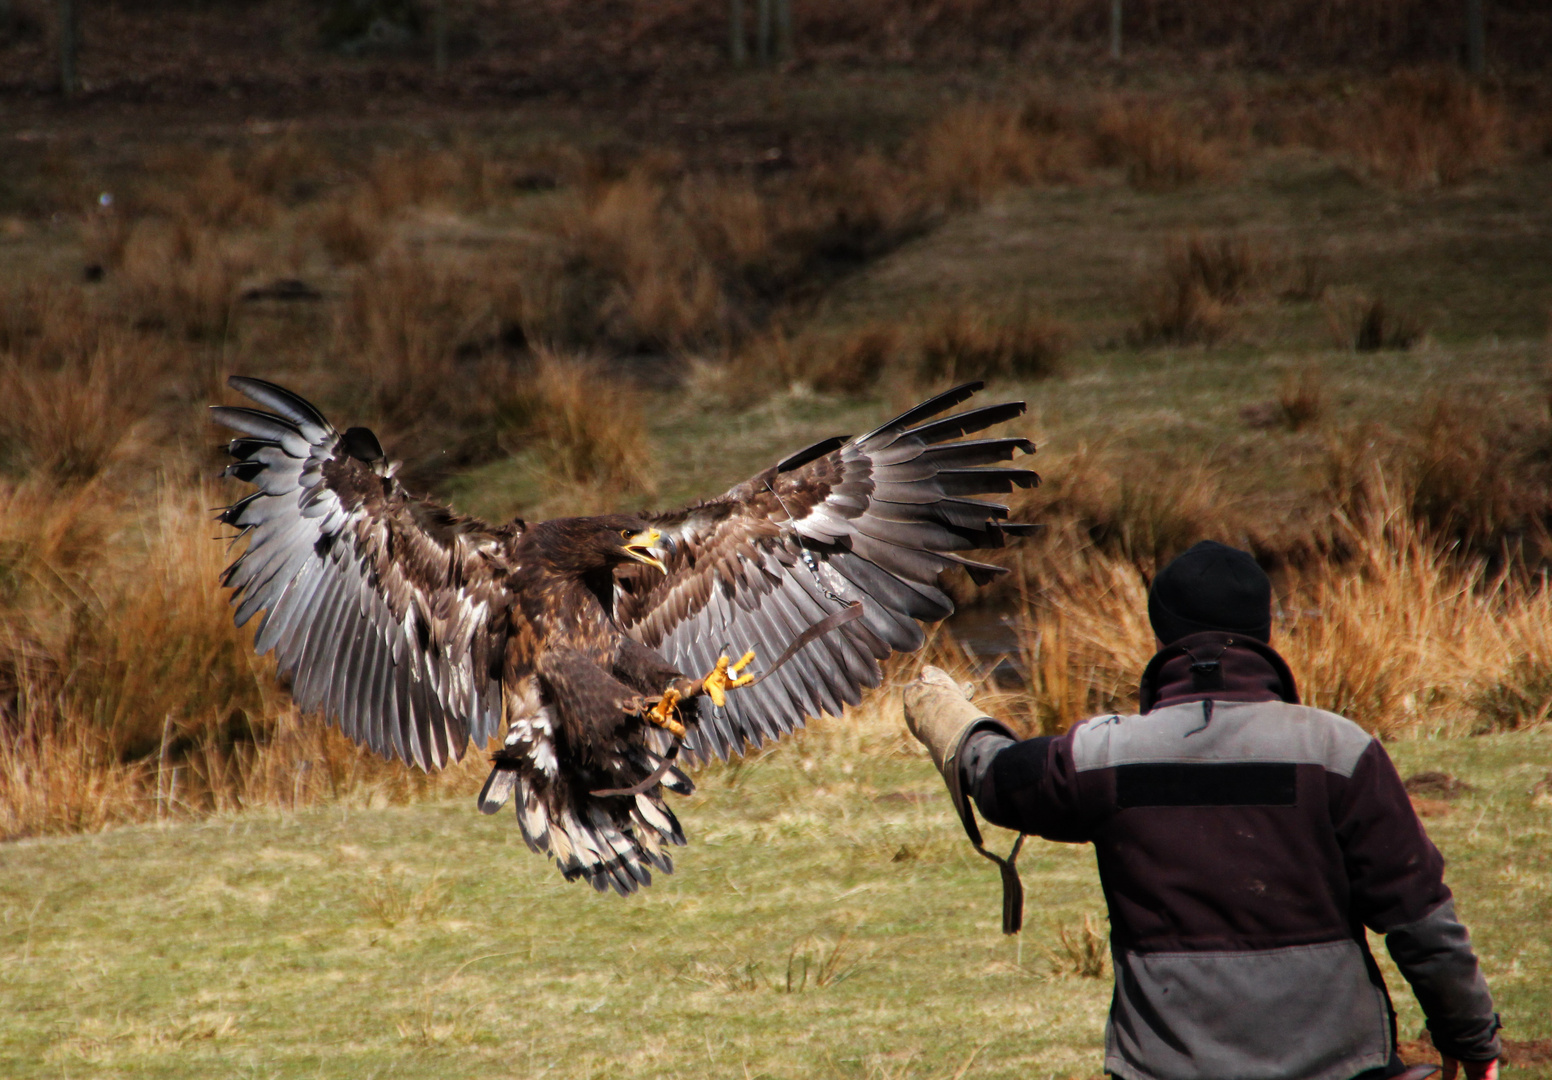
x: 1244, y: 843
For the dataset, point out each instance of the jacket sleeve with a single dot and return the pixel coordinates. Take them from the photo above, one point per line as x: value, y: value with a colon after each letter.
x: 1397, y: 880
x: 1435, y: 955
x: 1030, y: 786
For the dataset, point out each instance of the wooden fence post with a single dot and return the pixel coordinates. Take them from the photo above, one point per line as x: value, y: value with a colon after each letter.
x: 439, y: 38
x: 762, y: 31
x: 69, y: 35
x: 1476, y: 39
x: 784, y: 29
x: 738, y: 44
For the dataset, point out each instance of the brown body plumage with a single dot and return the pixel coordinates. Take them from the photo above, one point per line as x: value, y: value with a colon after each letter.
x: 416, y: 628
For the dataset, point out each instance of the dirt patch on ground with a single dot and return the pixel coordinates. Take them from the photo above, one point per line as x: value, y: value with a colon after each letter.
x: 1521, y: 1052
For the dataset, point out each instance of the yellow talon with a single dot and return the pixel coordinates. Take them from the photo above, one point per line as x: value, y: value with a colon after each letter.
x: 662, y: 714
x: 725, y: 676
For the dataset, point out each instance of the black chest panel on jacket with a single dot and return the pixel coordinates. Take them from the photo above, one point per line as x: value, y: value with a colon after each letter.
x: 1206, y: 784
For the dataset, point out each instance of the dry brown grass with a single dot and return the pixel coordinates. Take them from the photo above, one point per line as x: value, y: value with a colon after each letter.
x: 1408, y: 639
x: 398, y: 330
x: 1369, y: 323
x: 860, y: 360
x: 350, y: 231
x: 1188, y: 302
x: 634, y: 270
x: 974, y: 343
x: 1159, y: 149
x: 1422, y: 128
x: 592, y: 450
x: 1404, y: 636
x: 1480, y: 481
x: 1228, y: 267
x: 979, y: 149
x: 182, y: 277
x: 1177, y: 311
x: 1301, y: 397
x: 74, y: 387
x: 1143, y: 511
x: 130, y: 693
x: 207, y: 189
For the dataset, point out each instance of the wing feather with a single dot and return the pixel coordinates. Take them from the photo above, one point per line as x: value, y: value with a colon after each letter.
x: 378, y: 606
x: 874, y: 519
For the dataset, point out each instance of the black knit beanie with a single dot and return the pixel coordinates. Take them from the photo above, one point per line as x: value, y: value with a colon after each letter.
x: 1211, y: 587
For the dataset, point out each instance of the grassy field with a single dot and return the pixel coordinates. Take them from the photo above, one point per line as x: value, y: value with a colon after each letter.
x: 827, y: 920
x: 1304, y: 310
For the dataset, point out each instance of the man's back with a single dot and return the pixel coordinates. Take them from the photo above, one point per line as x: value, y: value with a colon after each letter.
x: 1244, y: 843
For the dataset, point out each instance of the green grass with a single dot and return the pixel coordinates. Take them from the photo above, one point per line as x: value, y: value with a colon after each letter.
x: 426, y: 940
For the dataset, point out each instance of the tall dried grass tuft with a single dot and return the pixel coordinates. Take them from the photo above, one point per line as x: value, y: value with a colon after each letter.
x: 971, y: 343
x: 1159, y: 149
x: 69, y: 421
x: 1227, y: 266
x: 1406, y: 638
x: 74, y: 387
x: 1143, y: 511
x: 1301, y: 397
x: 859, y: 360
x: 1481, y: 482
x: 637, y: 272
x: 1422, y: 128
x: 131, y: 694
x: 1188, y: 302
x: 1179, y: 312
x: 208, y: 190
x: 350, y: 230
x: 181, y: 277
x: 55, y: 776
x: 590, y: 435
x: 399, y: 327
x: 976, y: 150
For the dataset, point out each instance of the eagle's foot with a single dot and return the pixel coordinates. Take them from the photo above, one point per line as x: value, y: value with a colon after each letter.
x: 662, y: 714
x: 725, y: 676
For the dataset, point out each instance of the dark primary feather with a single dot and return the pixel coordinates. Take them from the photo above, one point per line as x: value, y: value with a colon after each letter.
x: 874, y: 519
x: 355, y: 576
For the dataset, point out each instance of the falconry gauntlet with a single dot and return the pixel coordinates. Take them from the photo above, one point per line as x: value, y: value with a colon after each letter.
x: 939, y: 713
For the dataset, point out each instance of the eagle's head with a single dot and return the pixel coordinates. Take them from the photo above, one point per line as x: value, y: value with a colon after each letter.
x: 586, y: 545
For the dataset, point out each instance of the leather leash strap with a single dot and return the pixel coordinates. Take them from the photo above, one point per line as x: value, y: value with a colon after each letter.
x: 650, y: 782
x: 1012, y: 887
x: 850, y: 613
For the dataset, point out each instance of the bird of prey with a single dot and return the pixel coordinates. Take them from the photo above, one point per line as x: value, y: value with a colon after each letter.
x: 574, y: 641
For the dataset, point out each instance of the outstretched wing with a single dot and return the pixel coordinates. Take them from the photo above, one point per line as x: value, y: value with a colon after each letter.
x: 388, y: 613
x: 873, y: 519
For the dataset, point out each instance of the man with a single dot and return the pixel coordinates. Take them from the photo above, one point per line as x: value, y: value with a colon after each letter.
x: 1244, y: 842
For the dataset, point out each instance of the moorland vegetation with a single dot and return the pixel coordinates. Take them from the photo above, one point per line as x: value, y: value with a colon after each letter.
x: 561, y: 327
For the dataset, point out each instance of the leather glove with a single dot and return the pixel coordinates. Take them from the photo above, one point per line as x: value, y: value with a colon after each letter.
x: 939, y: 713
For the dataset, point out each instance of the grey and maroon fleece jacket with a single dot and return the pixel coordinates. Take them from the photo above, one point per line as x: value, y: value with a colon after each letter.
x: 1244, y: 843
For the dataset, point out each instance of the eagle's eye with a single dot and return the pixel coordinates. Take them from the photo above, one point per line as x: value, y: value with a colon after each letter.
x: 625, y: 534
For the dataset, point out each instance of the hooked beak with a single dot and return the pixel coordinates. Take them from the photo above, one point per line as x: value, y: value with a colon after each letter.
x: 640, y: 547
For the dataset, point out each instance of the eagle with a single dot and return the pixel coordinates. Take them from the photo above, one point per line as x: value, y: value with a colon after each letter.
x: 574, y: 641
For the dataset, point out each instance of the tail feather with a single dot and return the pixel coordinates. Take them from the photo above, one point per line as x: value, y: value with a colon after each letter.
x: 498, y: 788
